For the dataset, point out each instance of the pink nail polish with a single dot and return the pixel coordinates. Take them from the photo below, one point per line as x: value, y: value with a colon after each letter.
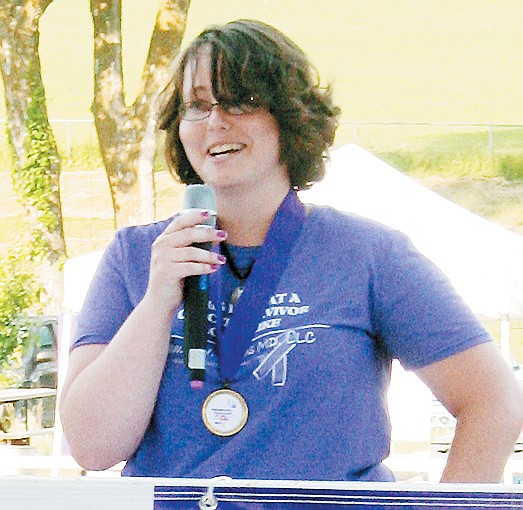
x: 221, y: 233
x: 196, y: 385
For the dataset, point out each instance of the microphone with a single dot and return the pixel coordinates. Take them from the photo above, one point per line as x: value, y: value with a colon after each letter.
x: 196, y: 293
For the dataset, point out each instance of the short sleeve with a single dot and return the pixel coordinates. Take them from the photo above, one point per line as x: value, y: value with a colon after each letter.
x: 107, y: 304
x: 417, y: 314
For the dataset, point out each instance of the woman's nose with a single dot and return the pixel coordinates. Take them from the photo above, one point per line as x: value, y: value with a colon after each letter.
x: 218, y: 119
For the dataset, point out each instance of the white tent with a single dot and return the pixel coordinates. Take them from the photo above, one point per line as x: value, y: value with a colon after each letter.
x: 483, y: 261
x: 78, y: 273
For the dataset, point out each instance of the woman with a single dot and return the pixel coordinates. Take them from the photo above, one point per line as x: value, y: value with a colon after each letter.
x: 300, y: 363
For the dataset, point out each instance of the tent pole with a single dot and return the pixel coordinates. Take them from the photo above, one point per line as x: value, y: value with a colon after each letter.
x: 505, y: 336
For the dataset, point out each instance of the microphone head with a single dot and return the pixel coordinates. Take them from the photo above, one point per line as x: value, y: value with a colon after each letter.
x: 199, y: 196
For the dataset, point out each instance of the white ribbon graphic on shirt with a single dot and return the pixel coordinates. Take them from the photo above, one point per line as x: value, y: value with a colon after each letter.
x: 276, y: 360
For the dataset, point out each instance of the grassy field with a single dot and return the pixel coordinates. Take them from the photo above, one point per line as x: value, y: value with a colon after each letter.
x: 463, y: 168
x: 461, y: 154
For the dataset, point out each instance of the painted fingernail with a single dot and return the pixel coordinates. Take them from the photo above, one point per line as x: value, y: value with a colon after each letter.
x: 196, y: 385
x: 221, y: 233
x: 205, y: 214
x: 215, y: 267
x: 221, y: 258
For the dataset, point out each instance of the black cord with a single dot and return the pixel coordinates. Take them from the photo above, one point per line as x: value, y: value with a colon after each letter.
x: 242, y: 276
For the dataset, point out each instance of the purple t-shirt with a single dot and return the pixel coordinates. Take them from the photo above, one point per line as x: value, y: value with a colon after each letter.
x: 354, y: 295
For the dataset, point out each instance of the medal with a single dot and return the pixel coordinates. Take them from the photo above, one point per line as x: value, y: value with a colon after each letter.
x: 225, y: 412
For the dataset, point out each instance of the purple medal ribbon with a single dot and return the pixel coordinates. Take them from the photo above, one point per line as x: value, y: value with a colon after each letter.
x: 270, y: 263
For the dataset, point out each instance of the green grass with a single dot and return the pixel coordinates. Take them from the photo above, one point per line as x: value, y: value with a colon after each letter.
x: 458, y: 154
x: 463, y: 167
x: 82, y: 157
x: 457, y: 165
x: 497, y: 199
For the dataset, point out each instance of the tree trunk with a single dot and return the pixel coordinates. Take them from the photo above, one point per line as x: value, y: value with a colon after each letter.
x: 36, y: 164
x: 127, y: 134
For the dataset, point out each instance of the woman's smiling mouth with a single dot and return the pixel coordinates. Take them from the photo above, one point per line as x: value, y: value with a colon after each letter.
x: 225, y: 149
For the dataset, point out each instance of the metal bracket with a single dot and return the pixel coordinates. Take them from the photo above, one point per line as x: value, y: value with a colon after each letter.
x: 208, y: 501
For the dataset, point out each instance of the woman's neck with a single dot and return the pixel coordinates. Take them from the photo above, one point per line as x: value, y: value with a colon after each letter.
x: 247, y: 218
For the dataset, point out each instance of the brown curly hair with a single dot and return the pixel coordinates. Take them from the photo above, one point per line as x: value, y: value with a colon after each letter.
x: 252, y: 59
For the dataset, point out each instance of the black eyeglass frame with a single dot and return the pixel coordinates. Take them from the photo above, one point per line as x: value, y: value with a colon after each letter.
x: 232, y: 108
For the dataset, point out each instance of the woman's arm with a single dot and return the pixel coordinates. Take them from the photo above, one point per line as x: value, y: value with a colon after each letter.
x: 478, y: 387
x: 110, y: 390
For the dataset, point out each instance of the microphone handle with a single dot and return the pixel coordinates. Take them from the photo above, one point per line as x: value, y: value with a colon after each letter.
x: 196, y: 299
x: 196, y: 292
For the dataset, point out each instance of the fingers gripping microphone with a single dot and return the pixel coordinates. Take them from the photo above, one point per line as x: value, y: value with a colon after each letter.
x: 196, y: 293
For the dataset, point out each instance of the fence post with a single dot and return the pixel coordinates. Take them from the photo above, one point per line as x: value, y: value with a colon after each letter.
x: 355, y: 133
x: 68, y: 140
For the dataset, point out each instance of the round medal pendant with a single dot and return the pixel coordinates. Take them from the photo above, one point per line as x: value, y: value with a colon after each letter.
x: 225, y: 412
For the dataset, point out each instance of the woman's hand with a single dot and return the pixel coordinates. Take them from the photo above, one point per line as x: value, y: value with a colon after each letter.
x: 173, y: 257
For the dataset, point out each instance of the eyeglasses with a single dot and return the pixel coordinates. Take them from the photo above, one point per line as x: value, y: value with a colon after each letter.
x: 200, y: 109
